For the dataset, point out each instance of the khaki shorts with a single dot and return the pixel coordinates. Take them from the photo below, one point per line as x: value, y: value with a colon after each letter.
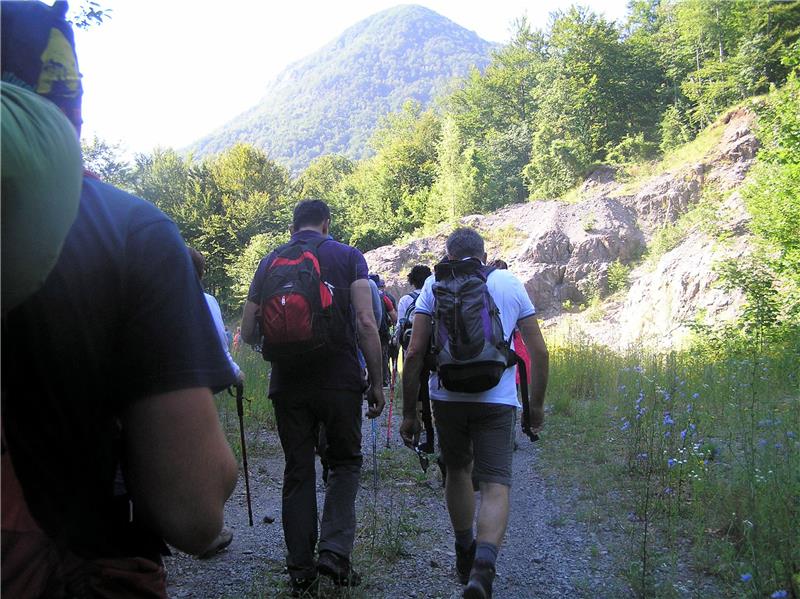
x: 477, y: 432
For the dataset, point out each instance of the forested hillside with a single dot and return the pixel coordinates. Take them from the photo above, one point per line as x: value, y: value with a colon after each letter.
x: 550, y: 107
x: 331, y: 101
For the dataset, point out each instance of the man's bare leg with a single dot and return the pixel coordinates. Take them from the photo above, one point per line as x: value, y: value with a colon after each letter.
x: 460, y: 497
x: 493, y: 513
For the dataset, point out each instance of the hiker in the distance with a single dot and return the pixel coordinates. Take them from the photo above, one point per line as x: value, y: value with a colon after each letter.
x: 388, y: 319
x: 316, y: 378
x: 199, y: 263
x: 225, y: 537
x: 405, y: 310
x: 111, y: 440
x: 476, y: 428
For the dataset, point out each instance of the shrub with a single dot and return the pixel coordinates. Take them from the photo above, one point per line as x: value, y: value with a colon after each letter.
x: 618, y: 275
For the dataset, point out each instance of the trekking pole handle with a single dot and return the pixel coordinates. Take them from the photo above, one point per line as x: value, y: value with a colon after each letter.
x: 526, y: 414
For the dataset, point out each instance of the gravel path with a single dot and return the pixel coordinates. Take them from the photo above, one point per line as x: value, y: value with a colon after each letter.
x: 404, y: 544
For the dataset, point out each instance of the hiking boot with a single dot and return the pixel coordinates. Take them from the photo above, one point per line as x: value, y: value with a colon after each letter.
x: 223, y: 539
x: 480, y: 581
x: 338, y: 569
x: 464, y: 559
x: 303, y: 585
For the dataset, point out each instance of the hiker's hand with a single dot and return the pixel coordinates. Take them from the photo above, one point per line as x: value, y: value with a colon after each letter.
x: 537, y: 418
x: 409, y: 431
x: 375, y: 401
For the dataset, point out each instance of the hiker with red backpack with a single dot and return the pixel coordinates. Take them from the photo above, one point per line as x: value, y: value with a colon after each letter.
x: 111, y: 442
x: 311, y: 303
x: 464, y: 319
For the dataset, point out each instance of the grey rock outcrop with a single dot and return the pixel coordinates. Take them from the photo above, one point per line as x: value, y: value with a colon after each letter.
x: 562, y: 252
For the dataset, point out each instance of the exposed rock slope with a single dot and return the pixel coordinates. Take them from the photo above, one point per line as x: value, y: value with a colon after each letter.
x: 563, y: 251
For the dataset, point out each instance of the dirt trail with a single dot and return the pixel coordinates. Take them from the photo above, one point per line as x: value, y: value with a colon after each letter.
x: 405, y: 546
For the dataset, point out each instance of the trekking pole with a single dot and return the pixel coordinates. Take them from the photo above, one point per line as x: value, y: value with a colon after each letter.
x: 375, y: 460
x: 240, y: 412
x: 526, y: 410
x: 392, y: 383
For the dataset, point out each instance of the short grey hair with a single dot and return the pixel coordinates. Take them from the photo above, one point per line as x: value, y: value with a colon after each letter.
x: 465, y: 243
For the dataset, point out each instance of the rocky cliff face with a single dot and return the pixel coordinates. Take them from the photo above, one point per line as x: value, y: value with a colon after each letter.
x: 563, y: 251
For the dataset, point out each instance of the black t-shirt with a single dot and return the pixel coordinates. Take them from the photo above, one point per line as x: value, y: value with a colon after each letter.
x: 340, y: 265
x: 122, y: 316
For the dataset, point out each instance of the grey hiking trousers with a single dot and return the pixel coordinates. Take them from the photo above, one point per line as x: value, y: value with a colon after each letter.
x: 298, y: 415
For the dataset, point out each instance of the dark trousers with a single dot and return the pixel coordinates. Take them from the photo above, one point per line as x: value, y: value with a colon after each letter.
x: 298, y: 416
x: 387, y: 368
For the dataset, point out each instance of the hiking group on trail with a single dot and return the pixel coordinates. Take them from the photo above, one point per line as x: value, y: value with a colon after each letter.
x: 126, y: 351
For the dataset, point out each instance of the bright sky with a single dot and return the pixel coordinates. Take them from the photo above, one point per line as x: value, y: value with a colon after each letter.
x: 165, y: 73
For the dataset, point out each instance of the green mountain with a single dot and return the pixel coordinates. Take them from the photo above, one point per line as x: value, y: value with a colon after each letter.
x: 331, y: 101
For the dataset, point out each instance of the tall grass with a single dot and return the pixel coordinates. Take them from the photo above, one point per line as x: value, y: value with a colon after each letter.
x: 708, y: 443
x: 259, y: 414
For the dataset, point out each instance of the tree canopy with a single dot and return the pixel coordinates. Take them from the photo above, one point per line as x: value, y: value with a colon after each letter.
x: 550, y: 105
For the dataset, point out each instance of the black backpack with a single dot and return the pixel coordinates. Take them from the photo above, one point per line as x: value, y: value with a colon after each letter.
x: 406, y: 322
x: 469, y: 348
x: 296, y: 316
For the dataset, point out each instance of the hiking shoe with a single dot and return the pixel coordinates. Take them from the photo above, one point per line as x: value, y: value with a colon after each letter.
x: 464, y: 559
x: 303, y: 585
x: 338, y: 569
x: 223, y: 539
x: 480, y: 581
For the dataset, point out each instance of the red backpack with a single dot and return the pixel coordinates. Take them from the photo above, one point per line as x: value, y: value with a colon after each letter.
x: 296, y: 305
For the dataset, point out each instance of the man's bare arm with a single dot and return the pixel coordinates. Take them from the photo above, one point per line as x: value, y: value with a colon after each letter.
x: 412, y: 373
x: 180, y: 469
x: 540, y: 367
x: 369, y: 342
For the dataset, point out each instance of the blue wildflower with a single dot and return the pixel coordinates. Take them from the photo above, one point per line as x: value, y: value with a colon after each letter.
x: 689, y: 409
x: 638, y: 369
x: 625, y: 425
x: 747, y: 577
x: 642, y: 456
x: 762, y: 443
x: 683, y: 435
x: 779, y: 594
x: 695, y: 395
x: 671, y: 462
x: 667, y: 434
x: 668, y: 491
x: 778, y: 446
x: 622, y: 388
x: 668, y: 421
x: 692, y: 427
x: 790, y: 434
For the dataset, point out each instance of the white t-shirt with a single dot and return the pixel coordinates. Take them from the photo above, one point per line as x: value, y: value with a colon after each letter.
x: 514, y: 304
x: 403, y: 304
x: 216, y: 316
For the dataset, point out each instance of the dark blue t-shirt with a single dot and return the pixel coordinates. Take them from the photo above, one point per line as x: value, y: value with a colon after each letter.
x: 121, y: 316
x: 340, y: 265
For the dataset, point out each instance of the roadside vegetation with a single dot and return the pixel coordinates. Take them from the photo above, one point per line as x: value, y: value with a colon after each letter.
x: 551, y: 105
